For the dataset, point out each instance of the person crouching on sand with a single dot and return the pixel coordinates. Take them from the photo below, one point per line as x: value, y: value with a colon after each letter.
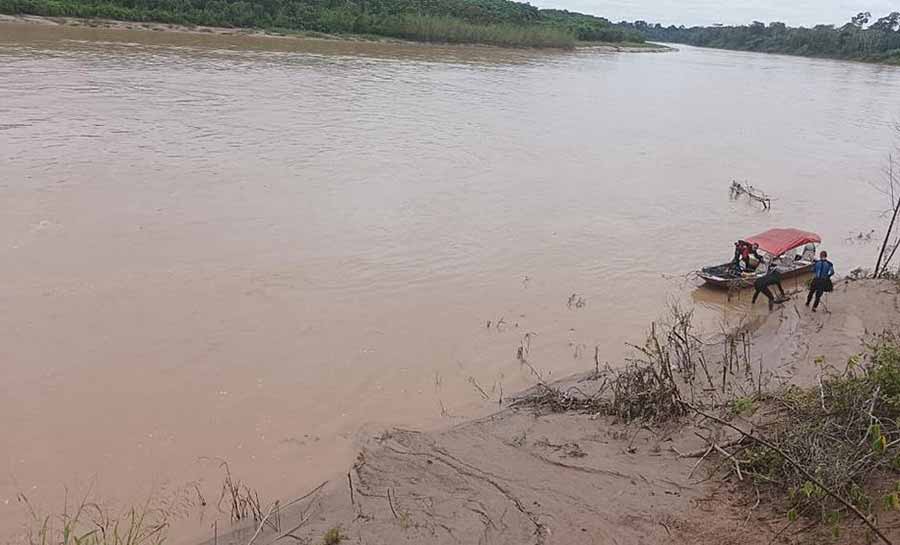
x: 823, y: 270
x: 772, y: 277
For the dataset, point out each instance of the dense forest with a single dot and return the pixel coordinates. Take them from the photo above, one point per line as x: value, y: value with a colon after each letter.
x: 498, y: 22
x: 862, y: 38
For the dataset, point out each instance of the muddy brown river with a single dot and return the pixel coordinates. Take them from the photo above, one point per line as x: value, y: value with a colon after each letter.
x: 247, y: 249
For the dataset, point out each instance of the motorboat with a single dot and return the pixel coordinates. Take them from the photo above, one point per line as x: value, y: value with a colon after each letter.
x: 792, y: 251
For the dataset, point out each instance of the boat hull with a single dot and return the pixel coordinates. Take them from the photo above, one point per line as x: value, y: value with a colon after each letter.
x: 715, y: 280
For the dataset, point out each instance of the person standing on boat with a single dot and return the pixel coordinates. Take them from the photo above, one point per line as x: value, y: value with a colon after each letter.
x: 771, y: 278
x: 751, y: 250
x: 742, y: 252
x: 736, y: 260
x: 823, y: 270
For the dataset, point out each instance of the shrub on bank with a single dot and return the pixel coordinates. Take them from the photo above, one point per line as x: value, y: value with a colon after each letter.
x: 449, y: 30
x: 845, y: 431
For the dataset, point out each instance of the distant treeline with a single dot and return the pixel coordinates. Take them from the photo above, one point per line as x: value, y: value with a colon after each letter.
x: 498, y: 22
x: 862, y: 38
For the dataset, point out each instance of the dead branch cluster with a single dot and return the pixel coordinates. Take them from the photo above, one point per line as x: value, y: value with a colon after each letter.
x: 673, y: 365
x: 242, y: 501
x: 743, y: 188
x: 891, y: 241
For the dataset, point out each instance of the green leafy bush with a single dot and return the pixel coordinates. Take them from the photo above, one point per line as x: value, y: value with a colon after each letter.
x: 846, y: 432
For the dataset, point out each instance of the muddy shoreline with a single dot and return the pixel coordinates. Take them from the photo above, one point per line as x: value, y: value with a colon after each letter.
x: 112, y: 24
x: 528, y: 476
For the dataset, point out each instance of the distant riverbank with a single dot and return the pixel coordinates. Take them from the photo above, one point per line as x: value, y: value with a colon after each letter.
x: 491, y: 22
x: 260, y: 32
x: 80, y: 22
x: 621, y: 47
x: 863, y: 39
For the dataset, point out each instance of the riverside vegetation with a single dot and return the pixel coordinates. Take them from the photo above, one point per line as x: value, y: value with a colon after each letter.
x: 828, y: 453
x: 863, y: 38
x: 493, y: 22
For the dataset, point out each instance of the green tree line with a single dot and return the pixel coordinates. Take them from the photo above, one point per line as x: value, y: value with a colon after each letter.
x: 497, y: 22
x: 862, y: 38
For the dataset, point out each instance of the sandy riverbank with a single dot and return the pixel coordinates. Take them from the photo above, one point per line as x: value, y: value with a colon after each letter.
x: 166, y: 27
x: 261, y: 33
x: 626, y: 48
x: 521, y: 476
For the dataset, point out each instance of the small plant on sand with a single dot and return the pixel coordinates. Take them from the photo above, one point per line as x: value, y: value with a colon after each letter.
x: 333, y: 536
x: 742, y: 406
x: 406, y: 521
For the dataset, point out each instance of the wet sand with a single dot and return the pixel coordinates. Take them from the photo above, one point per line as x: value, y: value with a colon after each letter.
x: 519, y: 476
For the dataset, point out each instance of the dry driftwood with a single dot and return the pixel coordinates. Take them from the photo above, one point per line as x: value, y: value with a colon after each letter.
x: 752, y: 193
x: 882, y: 264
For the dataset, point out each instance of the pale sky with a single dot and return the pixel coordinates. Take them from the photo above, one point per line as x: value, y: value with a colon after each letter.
x: 705, y: 12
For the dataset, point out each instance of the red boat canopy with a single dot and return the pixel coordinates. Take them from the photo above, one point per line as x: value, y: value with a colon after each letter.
x: 778, y: 241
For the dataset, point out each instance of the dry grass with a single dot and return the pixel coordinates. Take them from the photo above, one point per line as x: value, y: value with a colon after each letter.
x: 90, y: 524
x: 675, y: 364
x: 242, y: 501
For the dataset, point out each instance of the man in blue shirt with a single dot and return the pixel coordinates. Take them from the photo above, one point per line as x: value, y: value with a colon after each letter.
x: 823, y: 271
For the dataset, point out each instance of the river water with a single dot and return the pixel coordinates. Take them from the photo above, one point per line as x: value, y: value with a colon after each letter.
x: 248, y: 249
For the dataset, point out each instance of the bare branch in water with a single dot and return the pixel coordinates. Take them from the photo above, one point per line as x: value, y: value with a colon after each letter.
x: 737, y: 189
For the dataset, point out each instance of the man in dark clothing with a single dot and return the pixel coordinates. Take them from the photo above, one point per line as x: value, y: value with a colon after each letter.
x: 736, y: 261
x: 772, y: 277
x: 821, y: 282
